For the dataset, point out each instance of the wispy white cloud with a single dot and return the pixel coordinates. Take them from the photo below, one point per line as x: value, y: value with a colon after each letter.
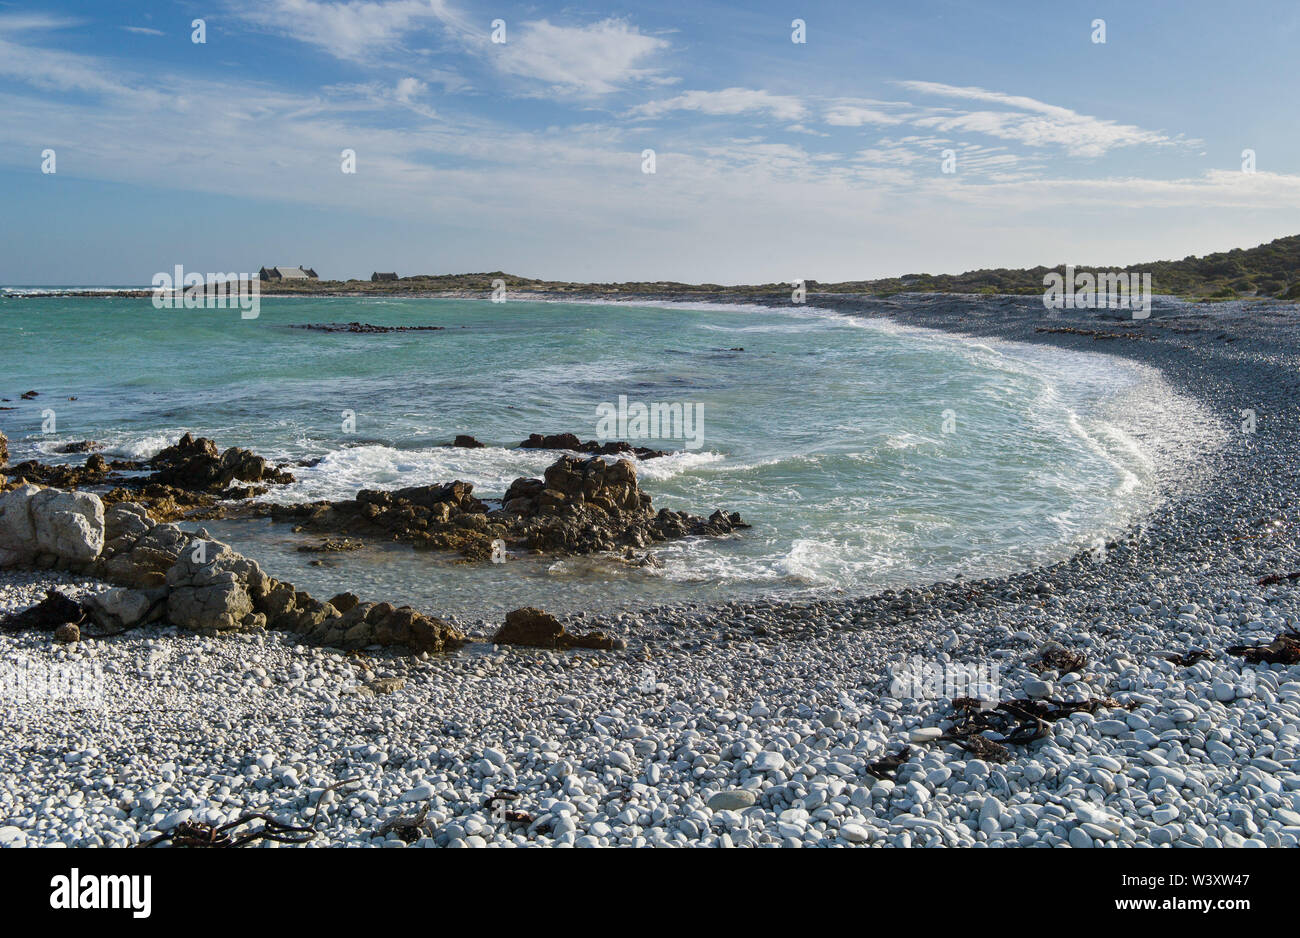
x: 1018, y: 119
x: 34, y: 22
x: 144, y: 31
x: 540, y: 56
x: 349, y: 30
x: 595, y: 59
x: 850, y: 112
x: 52, y: 69
x: 1032, y: 122
x: 726, y: 102
x: 409, y: 88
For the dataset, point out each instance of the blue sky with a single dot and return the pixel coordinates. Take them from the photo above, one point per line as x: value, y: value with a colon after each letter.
x: 774, y: 160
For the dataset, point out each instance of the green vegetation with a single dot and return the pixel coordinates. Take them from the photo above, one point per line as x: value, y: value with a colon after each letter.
x: 1270, y: 270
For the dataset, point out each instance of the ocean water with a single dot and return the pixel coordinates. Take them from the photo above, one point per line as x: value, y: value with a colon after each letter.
x: 864, y: 454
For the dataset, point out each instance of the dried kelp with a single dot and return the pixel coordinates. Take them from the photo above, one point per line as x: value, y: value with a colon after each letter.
x: 1285, y: 649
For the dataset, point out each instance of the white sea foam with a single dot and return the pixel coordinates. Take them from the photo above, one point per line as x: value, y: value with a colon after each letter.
x: 843, y: 470
x: 491, y: 469
x: 674, y: 464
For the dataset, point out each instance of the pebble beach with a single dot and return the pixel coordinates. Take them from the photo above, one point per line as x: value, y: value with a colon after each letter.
x: 755, y: 722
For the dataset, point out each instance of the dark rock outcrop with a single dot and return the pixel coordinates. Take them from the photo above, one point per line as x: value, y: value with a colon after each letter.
x: 189, y: 475
x: 434, y: 517
x: 165, y: 502
x: 94, y: 472
x: 581, y: 506
x: 538, y: 629
x: 84, y: 446
x: 362, y: 327
x: 570, y: 441
x: 194, y: 464
x: 586, y: 505
x: 385, y: 624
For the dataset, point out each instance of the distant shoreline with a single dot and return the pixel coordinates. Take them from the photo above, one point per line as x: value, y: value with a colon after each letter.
x: 1269, y: 270
x: 597, y: 292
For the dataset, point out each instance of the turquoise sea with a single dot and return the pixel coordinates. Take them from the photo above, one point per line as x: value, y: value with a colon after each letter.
x: 864, y: 454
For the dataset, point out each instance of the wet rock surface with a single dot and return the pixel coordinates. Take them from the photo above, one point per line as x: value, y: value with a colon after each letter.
x: 570, y: 441
x: 362, y: 327
x: 82, y: 446
x: 195, y: 464
x: 192, y: 474
x: 581, y: 506
x: 95, y: 472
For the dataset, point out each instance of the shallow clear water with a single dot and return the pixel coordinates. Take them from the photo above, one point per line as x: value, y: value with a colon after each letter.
x: 827, y: 433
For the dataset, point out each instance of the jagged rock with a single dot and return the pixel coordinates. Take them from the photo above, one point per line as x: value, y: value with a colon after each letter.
x: 188, y: 447
x: 384, y: 624
x: 119, y: 608
x: 49, y: 527
x: 362, y: 327
x: 422, y: 633
x: 538, y: 629
x: 4, y: 451
x: 581, y: 506
x: 84, y: 446
x: 191, y: 474
x: 215, y: 590
x: 569, y: 482
x: 310, y: 617
x: 552, y: 441
x: 571, y: 442
x: 166, y: 502
x: 94, y: 472
x: 345, y: 602
x: 69, y: 525
x: 67, y: 634
x: 441, y: 517
x: 143, y: 559
x: 467, y: 442
x: 194, y: 464
x: 124, y: 524
x: 17, y: 534
x: 280, y: 605
x: 221, y: 603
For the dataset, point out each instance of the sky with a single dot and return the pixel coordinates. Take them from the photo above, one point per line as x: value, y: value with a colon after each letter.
x: 898, y: 137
